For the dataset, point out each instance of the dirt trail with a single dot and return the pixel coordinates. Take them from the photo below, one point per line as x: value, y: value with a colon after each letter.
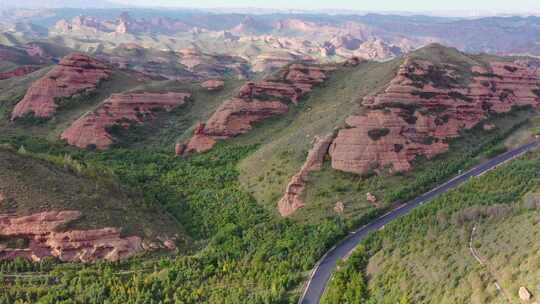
x: 488, y: 267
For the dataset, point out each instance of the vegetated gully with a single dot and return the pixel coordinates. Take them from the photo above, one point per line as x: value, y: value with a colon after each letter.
x: 322, y: 272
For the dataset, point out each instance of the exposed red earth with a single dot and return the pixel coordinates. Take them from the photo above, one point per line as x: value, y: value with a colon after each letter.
x: 76, y: 73
x: 123, y: 110
x: 255, y: 101
x: 423, y: 107
x: 213, y: 85
x: 18, y: 72
x: 42, y: 239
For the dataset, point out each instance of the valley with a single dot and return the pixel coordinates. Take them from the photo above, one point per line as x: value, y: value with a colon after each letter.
x: 148, y: 157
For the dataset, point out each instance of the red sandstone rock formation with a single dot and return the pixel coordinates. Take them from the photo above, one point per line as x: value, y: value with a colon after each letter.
x: 76, y: 73
x: 372, y: 198
x: 71, y: 246
x: 278, y: 59
x: 213, y: 85
x: 524, y: 294
x: 121, y: 110
x: 423, y: 106
x: 237, y: 115
x: 292, y: 201
x: 18, y: 72
x: 255, y: 102
x: 339, y: 208
x: 488, y: 126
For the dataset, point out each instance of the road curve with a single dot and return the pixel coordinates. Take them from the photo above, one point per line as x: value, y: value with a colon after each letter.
x: 323, y: 270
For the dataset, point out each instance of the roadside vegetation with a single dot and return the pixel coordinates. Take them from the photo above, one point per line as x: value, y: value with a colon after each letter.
x: 237, y: 249
x: 424, y: 257
x: 245, y: 254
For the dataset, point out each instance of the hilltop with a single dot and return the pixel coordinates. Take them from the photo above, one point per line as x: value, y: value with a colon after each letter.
x: 57, y: 197
x: 260, y: 173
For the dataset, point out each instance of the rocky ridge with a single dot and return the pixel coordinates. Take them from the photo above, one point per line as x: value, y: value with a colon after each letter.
x: 255, y: 101
x: 213, y: 85
x: 291, y: 200
x: 124, y: 24
x: 18, y: 72
x: 187, y: 64
x: 39, y: 232
x: 76, y: 73
x: 25, y: 55
x: 423, y: 107
x: 119, y: 110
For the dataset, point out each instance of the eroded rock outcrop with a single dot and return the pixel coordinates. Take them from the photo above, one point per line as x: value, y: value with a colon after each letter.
x: 423, y: 107
x: 291, y: 201
x: 119, y: 110
x: 213, y: 85
x: 255, y: 102
x: 524, y: 294
x: 274, y: 60
x: 76, y: 73
x: 18, y: 72
x: 21, y: 56
x: 43, y: 240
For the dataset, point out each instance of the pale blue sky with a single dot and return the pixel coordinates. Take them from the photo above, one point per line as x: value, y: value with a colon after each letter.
x: 364, y: 5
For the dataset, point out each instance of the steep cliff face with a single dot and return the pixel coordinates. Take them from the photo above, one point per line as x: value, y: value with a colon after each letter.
x: 255, y: 101
x: 122, y: 110
x: 76, y: 73
x: 42, y: 239
x: 424, y: 106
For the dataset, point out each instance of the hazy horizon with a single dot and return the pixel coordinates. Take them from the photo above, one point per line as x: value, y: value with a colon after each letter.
x: 380, y: 6
x: 455, y: 8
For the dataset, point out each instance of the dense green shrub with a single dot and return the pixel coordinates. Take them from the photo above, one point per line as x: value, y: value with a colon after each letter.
x: 376, y: 134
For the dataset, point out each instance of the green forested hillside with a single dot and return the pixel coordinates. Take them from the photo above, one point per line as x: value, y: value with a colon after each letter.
x: 240, y: 250
x: 425, y: 257
x: 36, y: 183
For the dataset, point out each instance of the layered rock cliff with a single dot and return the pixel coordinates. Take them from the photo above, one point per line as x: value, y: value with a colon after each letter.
x: 120, y: 110
x: 255, y: 101
x: 424, y: 106
x: 43, y: 240
x: 76, y: 73
x: 18, y: 72
x: 291, y: 200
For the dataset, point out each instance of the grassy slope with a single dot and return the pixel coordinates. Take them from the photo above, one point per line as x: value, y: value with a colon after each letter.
x: 164, y: 131
x: 507, y: 243
x: 12, y: 90
x: 329, y: 186
x: 177, y: 125
x: 69, y: 110
x: 252, y: 256
x: 425, y: 258
x: 285, y: 142
x: 35, y: 185
x: 510, y: 245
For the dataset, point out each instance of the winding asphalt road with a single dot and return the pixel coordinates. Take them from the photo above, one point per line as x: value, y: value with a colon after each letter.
x: 323, y: 270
